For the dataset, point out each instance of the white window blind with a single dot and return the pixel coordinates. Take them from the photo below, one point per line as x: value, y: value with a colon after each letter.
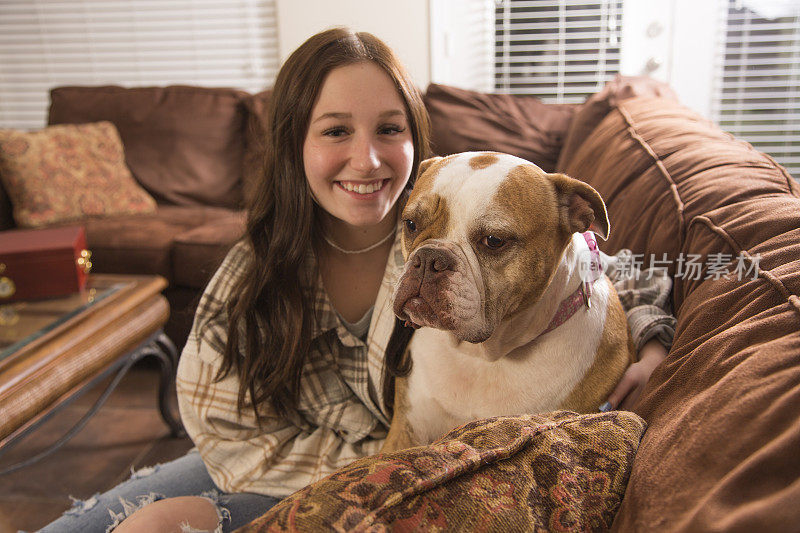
x: 47, y: 43
x: 757, y: 87
x: 558, y: 50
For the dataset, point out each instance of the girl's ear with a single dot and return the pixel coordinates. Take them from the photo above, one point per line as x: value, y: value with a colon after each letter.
x: 424, y: 165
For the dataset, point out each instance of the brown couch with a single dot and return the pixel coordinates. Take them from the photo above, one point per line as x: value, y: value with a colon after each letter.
x: 723, y: 411
x: 721, y: 449
x: 195, y: 151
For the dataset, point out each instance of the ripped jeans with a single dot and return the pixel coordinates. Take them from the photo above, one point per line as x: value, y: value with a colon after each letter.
x: 185, y: 476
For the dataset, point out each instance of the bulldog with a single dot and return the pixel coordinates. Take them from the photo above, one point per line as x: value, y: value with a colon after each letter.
x: 502, y: 277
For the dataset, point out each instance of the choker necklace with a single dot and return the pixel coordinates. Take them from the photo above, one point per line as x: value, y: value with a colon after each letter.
x: 361, y: 251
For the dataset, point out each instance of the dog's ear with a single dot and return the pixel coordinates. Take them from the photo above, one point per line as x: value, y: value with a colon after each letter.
x: 424, y: 165
x: 581, y: 206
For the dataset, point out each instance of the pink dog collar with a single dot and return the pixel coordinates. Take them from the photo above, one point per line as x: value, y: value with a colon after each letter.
x: 582, y: 295
x: 595, y: 268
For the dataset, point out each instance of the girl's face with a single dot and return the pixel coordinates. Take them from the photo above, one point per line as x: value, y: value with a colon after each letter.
x: 358, y: 151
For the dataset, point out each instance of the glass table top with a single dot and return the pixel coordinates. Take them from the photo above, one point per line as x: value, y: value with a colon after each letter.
x: 25, y: 321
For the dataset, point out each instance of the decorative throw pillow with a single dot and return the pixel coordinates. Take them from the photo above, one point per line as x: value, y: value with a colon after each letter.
x: 555, y: 472
x: 69, y: 172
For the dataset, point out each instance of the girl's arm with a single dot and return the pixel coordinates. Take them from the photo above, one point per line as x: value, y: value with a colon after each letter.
x: 645, y: 295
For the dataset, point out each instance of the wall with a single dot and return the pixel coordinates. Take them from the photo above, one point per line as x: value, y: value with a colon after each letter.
x: 403, y: 25
x: 462, y: 43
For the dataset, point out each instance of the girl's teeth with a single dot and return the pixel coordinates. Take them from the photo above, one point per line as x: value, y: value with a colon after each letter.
x: 362, y: 188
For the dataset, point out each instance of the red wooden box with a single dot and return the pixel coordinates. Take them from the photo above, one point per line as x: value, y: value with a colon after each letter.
x: 43, y: 263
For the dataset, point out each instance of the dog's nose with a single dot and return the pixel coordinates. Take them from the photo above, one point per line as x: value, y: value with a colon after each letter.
x: 433, y: 260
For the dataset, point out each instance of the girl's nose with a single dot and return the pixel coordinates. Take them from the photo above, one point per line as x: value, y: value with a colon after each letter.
x: 364, y: 156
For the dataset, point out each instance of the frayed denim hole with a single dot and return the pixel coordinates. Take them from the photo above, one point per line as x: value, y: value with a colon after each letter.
x: 81, y: 506
x: 186, y: 528
x: 144, y: 472
x: 129, y: 508
x: 216, y: 498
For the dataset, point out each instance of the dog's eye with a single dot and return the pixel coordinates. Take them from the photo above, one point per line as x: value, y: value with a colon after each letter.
x: 493, y: 242
x: 410, y: 226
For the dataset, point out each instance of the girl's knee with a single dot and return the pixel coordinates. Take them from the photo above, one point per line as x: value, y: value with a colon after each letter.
x: 182, y: 514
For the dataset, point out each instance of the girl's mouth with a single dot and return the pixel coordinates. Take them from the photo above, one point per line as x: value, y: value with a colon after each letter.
x: 362, y: 188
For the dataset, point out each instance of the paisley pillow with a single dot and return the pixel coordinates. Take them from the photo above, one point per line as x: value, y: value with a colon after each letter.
x: 67, y: 173
x: 555, y: 472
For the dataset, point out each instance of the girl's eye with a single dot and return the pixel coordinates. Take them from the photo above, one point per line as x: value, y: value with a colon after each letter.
x: 495, y: 243
x: 335, y: 132
x: 391, y: 129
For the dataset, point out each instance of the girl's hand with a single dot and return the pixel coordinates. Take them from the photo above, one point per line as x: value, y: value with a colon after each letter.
x: 633, y: 381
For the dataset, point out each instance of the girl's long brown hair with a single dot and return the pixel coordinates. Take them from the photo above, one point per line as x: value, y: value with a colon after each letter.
x: 270, y: 312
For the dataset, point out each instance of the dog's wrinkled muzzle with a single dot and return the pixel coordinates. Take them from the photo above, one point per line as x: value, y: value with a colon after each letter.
x: 435, y: 290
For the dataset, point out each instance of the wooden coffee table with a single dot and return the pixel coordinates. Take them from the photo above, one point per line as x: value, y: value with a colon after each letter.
x: 51, y: 351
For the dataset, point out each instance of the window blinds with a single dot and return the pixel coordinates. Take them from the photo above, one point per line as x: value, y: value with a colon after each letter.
x: 757, y: 86
x: 47, y: 43
x: 558, y: 50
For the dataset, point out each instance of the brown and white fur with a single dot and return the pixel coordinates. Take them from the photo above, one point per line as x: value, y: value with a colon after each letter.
x: 481, y: 310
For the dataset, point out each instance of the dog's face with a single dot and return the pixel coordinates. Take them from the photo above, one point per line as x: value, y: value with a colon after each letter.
x: 483, y: 234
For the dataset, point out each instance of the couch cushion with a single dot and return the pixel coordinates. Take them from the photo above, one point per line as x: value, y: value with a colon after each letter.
x: 198, y: 252
x: 720, y: 452
x: 554, y: 472
x: 658, y: 165
x: 463, y: 121
x: 597, y: 106
x: 67, y: 173
x: 724, y: 408
x: 144, y: 244
x: 185, y: 145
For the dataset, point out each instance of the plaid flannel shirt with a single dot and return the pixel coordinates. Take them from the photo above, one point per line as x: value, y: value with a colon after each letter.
x: 340, y: 416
